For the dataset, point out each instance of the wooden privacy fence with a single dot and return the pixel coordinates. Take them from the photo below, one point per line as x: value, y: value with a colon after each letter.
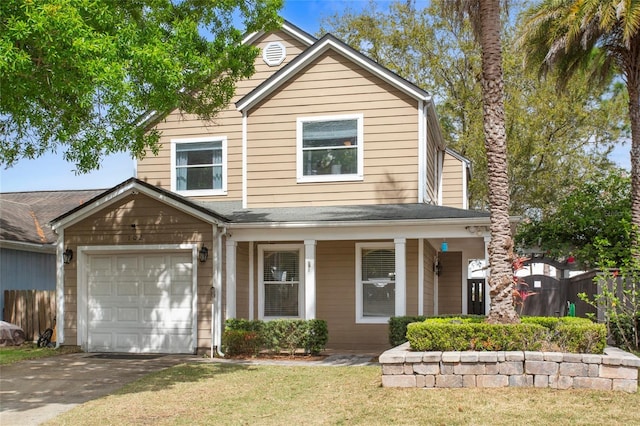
x: 31, y: 310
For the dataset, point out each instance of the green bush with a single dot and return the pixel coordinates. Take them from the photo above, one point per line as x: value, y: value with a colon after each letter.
x: 317, y: 336
x: 241, y: 342
x: 244, y: 337
x: 398, y: 325
x: 623, y: 330
x: 578, y: 335
x: 580, y: 338
x: 243, y: 324
x: 473, y: 336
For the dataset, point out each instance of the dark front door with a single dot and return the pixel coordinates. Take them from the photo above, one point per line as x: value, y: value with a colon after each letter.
x: 475, y: 296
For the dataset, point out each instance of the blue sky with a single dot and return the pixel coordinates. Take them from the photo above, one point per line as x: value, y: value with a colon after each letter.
x: 51, y: 172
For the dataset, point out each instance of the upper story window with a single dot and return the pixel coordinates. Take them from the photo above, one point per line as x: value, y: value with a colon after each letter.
x: 199, y: 166
x: 330, y: 148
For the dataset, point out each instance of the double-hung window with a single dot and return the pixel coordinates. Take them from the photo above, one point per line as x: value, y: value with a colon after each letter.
x: 281, y: 288
x: 199, y: 166
x: 375, y: 282
x: 330, y: 148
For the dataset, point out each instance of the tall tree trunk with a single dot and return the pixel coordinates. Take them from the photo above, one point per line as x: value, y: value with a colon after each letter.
x: 632, y: 74
x: 501, y: 245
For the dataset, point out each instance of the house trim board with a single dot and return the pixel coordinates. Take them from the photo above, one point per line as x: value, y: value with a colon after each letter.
x: 232, y: 246
x: 60, y: 289
x: 422, y: 153
x: 420, y: 276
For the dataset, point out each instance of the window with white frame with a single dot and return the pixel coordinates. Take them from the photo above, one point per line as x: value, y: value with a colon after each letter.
x: 199, y: 166
x: 375, y: 282
x: 281, y: 285
x: 330, y: 148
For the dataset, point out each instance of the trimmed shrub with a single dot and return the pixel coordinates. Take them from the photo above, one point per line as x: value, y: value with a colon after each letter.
x: 398, y: 328
x: 473, y: 336
x: 577, y: 335
x: 241, y: 342
x: 398, y: 325
x: 317, y: 336
x: 580, y: 338
x: 244, y: 337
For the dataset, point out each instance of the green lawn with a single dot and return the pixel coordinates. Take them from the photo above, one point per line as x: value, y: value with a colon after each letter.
x: 11, y: 354
x: 231, y: 394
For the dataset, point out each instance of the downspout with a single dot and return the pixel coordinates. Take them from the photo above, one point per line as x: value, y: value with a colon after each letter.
x: 59, y: 290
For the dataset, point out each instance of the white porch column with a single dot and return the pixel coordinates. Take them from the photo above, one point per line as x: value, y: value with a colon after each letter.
x: 487, y: 295
x: 231, y: 279
x: 401, y: 276
x: 420, y: 276
x: 309, y: 279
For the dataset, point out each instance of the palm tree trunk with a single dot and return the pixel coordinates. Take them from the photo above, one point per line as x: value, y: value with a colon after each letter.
x: 501, y: 245
x: 633, y: 87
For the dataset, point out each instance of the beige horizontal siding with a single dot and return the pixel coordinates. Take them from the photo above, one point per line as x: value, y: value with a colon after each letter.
x: 390, y: 144
x: 228, y: 123
x: 452, y: 182
x: 450, y: 283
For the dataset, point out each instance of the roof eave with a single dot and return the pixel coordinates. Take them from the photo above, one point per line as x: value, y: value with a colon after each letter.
x: 360, y: 223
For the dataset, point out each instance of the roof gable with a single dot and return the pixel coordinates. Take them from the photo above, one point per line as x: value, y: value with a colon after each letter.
x: 294, y: 31
x: 329, y: 42
x: 134, y: 186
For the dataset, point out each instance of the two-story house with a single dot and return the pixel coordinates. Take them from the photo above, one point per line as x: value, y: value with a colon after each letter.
x: 323, y: 191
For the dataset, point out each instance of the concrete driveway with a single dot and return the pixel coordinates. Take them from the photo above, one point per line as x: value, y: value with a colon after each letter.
x: 32, y: 392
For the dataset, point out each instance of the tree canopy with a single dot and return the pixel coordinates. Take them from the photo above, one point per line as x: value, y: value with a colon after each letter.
x: 555, y: 138
x: 82, y: 76
x: 593, y: 220
x: 601, y: 38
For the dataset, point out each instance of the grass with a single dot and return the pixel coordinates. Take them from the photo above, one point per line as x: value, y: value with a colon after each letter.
x: 11, y: 354
x: 232, y: 394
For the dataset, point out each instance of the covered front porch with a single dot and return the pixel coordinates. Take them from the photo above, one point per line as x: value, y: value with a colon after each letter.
x: 354, y: 274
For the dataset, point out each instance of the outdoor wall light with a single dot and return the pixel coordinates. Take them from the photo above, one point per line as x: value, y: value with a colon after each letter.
x: 203, y: 254
x: 437, y: 267
x: 67, y: 255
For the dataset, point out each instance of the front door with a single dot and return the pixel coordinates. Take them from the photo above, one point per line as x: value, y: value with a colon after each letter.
x: 475, y: 296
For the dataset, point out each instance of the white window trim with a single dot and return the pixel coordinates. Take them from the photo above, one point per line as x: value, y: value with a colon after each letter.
x: 360, y: 318
x: 200, y: 192
x: 358, y: 176
x: 301, y: 284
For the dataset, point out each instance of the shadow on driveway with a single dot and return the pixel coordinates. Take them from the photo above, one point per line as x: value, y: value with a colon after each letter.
x: 34, y: 391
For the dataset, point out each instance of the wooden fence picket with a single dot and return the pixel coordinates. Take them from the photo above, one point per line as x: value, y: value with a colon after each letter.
x: 31, y: 310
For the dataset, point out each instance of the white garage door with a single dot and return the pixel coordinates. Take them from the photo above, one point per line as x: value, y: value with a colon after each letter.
x: 140, y: 303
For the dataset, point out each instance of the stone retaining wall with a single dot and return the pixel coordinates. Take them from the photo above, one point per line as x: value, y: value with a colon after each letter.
x: 615, y: 370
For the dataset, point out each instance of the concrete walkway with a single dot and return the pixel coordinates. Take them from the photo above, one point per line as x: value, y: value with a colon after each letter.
x: 34, y: 391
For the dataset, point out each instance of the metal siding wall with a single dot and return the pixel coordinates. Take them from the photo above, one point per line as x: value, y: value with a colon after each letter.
x: 25, y: 270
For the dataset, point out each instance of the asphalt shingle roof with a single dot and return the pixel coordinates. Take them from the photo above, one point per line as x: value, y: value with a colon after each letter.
x: 25, y: 216
x: 357, y: 213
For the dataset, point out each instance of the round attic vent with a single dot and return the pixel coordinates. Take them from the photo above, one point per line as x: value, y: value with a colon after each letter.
x: 274, y: 53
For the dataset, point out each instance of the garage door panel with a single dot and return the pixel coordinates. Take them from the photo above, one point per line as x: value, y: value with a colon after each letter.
x: 141, y: 303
